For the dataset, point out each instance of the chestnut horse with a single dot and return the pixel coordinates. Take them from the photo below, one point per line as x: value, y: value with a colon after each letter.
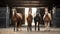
x: 17, y: 18
x: 29, y: 20
x: 47, y: 19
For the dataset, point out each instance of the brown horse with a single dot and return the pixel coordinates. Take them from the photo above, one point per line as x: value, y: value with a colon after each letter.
x: 47, y: 19
x: 29, y: 20
x: 17, y: 18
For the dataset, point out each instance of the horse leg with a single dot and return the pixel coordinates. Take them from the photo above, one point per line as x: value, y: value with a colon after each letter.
x: 14, y: 27
x: 35, y: 26
x: 20, y: 25
x: 38, y: 27
x: 48, y: 25
x: 30, y: 27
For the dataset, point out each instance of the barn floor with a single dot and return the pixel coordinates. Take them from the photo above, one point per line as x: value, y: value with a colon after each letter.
x: 24, y: 31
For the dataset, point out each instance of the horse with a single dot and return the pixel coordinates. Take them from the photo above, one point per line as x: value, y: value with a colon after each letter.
x: 47, y: 19
x: 17, y: 18
x: 37, y: 20
x: 29, y: 20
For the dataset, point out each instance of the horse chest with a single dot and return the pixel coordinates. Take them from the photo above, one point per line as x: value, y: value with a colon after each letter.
x: 29, y: 18
x: 47, y: 18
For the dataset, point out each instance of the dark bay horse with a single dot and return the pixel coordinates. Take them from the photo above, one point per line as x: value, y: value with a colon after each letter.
x: 37, y: 20
x: 29, y: 20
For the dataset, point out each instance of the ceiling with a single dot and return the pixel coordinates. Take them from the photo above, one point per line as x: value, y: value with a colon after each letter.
x: 29, y: 3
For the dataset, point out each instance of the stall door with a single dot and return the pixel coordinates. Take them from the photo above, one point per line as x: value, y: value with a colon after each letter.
x: 4, y: 17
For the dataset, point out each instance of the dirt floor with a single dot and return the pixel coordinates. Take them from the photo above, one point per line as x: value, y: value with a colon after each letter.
x: 24, y: 31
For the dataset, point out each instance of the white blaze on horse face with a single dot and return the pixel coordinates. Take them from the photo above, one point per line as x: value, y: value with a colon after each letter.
x: 46, y: 10
x: 13, y: 10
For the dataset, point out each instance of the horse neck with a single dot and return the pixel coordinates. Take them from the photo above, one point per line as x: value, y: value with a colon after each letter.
x: 14, y: 16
